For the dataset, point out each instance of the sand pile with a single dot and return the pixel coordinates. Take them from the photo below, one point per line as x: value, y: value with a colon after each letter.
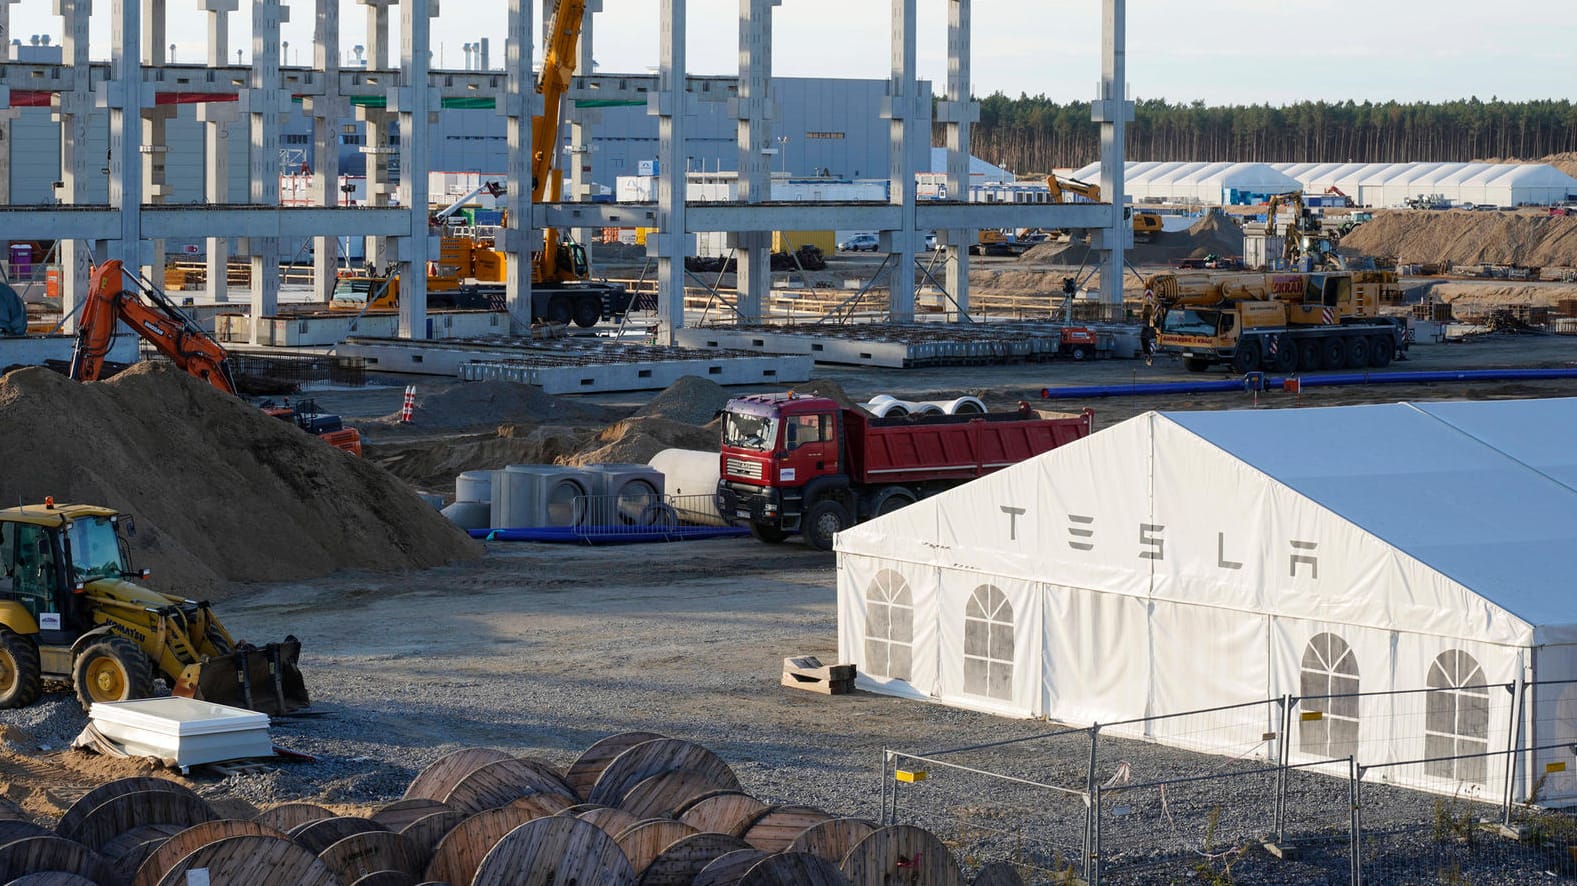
x: 820, y: 387
x: 692, y: 400
x: 482, y: 403
x: 1566, y: 162
x: 1214, y: 234
x: 1485, y: 294
x: 636, y: 440
x: 1467, y: 238
x: 221, y: 492
x: 432, y: 465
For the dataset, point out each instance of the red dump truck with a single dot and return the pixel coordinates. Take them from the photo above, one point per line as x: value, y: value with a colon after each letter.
x: 804, y: 464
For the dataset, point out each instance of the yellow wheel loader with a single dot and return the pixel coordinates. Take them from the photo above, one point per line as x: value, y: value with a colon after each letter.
x: 69, y: 612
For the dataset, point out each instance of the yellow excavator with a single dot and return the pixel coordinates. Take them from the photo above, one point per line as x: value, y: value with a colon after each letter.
x: 1145, y: 224
x: 69, y: 611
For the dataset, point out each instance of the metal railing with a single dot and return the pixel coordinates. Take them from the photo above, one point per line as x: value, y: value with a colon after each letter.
x: 644, y: 516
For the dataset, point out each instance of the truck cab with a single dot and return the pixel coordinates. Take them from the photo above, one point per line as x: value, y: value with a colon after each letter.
x: 777, y: 451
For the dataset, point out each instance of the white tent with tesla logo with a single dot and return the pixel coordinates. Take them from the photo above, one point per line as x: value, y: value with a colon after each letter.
x: 1183, y: 561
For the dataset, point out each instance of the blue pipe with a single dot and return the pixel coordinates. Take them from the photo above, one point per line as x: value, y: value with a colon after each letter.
x: 1258, y: 381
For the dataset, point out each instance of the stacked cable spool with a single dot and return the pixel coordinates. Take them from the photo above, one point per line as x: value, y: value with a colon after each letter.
x: 636, y: 809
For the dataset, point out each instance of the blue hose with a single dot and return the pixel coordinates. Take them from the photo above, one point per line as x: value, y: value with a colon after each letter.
x: 1257, y: 381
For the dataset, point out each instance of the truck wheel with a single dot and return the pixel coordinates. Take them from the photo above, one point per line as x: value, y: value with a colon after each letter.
x: 21, y: 676
x: 1078, y: 352
x: 113, y: 669
x: 1286, y: 359
x: 1380, y: 350
x: 767, y: 532
x: 1196, y: 364
x: 1333, y: 352
x: 826, y: 518
x: 560, y: 310
x: 1247, y: 357
x: 1357, y: 352
x: 890, y: 499
x: 588, y: 312
x: 1308, y: 355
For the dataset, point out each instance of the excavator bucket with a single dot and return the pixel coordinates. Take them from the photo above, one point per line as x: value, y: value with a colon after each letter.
x: 261, y: 678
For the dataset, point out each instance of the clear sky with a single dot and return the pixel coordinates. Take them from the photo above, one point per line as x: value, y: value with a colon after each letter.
x: 1220, y: 51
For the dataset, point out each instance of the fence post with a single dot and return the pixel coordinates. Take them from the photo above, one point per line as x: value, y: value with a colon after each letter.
x: 887, y: 756
x: 1092, y: 813
x: 1513, y: 742
x: 1282, y: 741
x: 1355, y: 792
x: 1092, y: 857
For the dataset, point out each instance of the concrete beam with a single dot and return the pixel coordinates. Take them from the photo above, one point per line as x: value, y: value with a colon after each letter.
x: 707, y: 216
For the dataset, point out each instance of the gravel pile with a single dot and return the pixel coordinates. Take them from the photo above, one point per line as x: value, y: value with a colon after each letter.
x: 483, y: 403
x: 1467, y: 238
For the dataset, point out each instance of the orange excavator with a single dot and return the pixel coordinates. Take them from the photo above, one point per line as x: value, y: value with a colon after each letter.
x: 175, y: 335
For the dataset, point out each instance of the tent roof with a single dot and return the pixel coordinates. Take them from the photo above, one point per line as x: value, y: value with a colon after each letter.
x: 1484, y: 493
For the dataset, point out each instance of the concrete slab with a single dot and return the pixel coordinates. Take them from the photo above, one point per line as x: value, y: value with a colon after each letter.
x: 894, y: 346
x: 33, y: 350
x: 323, y: 329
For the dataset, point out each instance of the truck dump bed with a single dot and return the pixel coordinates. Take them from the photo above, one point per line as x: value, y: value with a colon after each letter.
x: 951, y: 447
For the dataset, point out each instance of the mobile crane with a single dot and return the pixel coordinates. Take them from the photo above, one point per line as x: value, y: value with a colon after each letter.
x: 175, y: 335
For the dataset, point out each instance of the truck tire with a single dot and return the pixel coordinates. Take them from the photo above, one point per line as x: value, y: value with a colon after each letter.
x: 1333, y: 352
x: 113, y: 669
x: 1286, y: 358
x: 1357, y: 347
x: 1196, y: 364
x: 588, y: 311
x: 21, y: 675
x: 767, y: 532
x: 560, y: 310
x: 889, y: 499
x: 1381, y: 348
x: 1308, y: 355
x: 1246, y: 359
x: 825, y: 519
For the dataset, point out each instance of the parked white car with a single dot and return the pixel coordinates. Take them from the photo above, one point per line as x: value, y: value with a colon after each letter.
x: 861, y: 243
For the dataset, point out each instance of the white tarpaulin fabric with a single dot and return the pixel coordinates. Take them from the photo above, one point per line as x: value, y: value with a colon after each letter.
x: 1182, y: 561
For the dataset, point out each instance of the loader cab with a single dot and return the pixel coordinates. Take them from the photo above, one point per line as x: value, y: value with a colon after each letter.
x: 32, y: 577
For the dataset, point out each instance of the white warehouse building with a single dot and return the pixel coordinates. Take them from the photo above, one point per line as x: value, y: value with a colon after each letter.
x: 1204, y: 184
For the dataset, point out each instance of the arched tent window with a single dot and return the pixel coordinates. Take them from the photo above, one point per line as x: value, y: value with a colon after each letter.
x: 1457, y: 717
x: 1328, y: 683
x: 988, y: 643
x: 889, y: 626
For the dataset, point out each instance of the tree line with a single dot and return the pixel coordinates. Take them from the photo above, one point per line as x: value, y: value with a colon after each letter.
x: 1037, y: 134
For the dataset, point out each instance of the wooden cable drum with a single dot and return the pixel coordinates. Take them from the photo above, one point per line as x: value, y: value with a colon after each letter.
x: 832, y: 839
x: 316, y: 836
x: 126, y: 811
x: 541, y: 804
x: 47, y: 853
x: 166, y: 854
x: 613, y: 821
x: 12, y: 829
x: 683, y: 860
x: 495, y: 784
x: 439, y: 778
x: 72, y: 820
x: 361, y: 854
x: 252, y: 859
x: 724, y: 812
x: 384, y: 878
x: 655, y: 757
x: 10, y: 811
x: 289, y: 816
x: 583, y: 773
x: 726, y: 870
x: 901, y: 852
x: 795, y: 869
x: 426, y: 832
x: 646, y: 840
x: 395, y: 816
x: 555, y: 851
x: 578, y: 808
x: 457, y: 855
x: 774, y: 828
x: 998, y: 873
x: 662, y: 795
x: 52, y: 878
x: 131, y: 848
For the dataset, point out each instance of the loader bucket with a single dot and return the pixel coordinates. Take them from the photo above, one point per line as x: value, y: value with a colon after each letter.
x: 262, y: 678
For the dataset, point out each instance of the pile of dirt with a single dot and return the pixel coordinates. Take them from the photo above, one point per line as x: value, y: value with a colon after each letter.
x: 221, y: 491
x: 482, y: 403
x: 1498, y: 294
x: 636, y: 440
x: 1565, y: 162
x: 431, y: 465
x: 1213, y: 234
x: 692, y: 400
x: 820, y: 387
x: 1467, y: 238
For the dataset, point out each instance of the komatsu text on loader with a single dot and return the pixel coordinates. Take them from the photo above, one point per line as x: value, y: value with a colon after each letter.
x: 69, y: 610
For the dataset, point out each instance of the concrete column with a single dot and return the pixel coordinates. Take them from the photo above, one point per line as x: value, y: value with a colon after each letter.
x: 378, y: 123
x: 124, y: 97
x: 327, y: 111
x: 265, y: 102
x: 902, y: 107
x: 216, y: 118
x: 73, y: 109
x: 416, y: 104
x: 957, y: 114
x: 755, y: 111
x: 7, y: 114
x: 1112, y: 110
x: 155, y: 145
x: 580, y: 126
x: 668, y: 102
x: 519, y: 103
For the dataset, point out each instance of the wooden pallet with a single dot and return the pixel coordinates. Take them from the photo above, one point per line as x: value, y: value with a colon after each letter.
x: 808, y: 673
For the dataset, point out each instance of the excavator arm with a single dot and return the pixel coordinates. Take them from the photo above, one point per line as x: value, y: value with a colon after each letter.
x: 161, y: 324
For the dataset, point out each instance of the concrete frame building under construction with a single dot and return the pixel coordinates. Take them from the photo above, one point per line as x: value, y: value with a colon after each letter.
x: 139, y: 89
